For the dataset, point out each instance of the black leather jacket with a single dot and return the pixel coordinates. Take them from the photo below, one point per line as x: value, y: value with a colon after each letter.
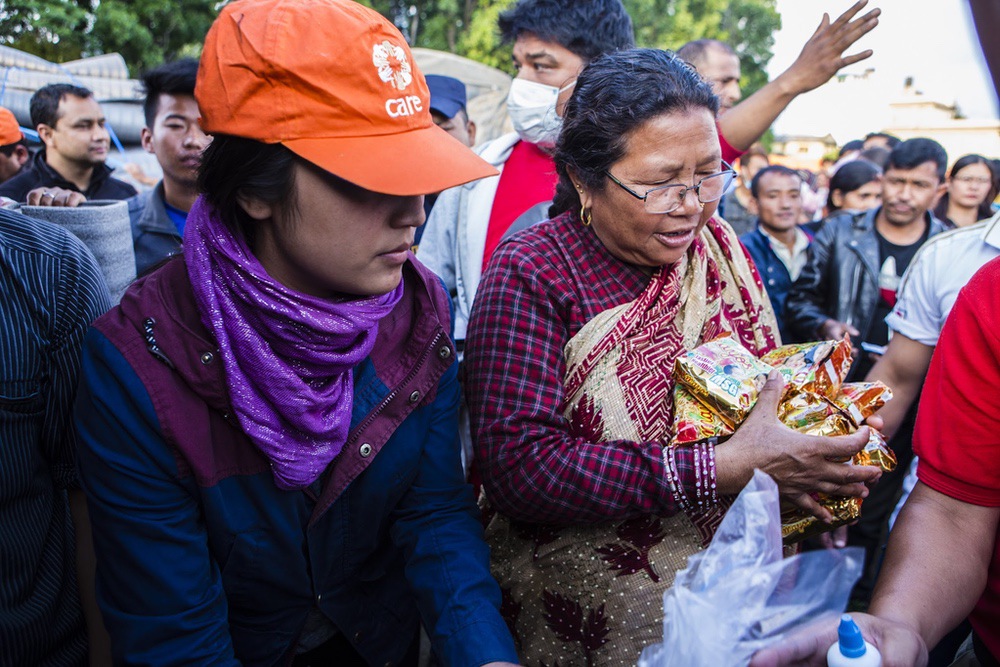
x: 840, y: 280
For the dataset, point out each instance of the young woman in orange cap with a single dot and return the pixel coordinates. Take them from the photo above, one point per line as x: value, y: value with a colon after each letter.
x: 268, y: 422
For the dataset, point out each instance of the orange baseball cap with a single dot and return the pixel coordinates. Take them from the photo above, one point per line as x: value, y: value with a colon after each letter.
x: 335, y: 83
x: 10, y: 130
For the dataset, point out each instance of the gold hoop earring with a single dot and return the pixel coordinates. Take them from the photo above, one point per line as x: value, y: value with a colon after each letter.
x: 586, y: 216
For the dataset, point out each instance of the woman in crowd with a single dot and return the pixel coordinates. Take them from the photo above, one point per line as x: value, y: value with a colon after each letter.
x: 569, y: 371
x: 269, y: 422
x: 856, y: 186
x: 968, y: 200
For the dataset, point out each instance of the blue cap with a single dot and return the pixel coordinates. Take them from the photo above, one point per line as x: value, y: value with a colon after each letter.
x: 852, y: 644
x: 447, y: 94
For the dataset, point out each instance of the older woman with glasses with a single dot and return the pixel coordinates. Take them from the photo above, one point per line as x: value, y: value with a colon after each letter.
x: 570, y: 359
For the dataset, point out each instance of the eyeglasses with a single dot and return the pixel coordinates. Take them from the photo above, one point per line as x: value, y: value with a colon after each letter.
x: 978, y: 180
x: 668, y: 198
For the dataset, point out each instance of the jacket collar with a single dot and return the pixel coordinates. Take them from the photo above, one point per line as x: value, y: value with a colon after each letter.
x: 865, y: 242
x: 160, y: 306
x: 45, y: 172
x: 154, y: 216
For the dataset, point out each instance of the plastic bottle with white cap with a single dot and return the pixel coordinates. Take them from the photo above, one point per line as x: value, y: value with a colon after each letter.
x: 851, y: 649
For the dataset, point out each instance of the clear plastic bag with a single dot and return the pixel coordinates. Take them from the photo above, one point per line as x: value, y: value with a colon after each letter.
x: 741, y: 594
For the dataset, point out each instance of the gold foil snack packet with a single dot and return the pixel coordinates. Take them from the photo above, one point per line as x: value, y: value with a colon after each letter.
x: 724, y: 376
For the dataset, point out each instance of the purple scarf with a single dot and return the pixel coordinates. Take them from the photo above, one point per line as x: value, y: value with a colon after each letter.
x: 287, y: 356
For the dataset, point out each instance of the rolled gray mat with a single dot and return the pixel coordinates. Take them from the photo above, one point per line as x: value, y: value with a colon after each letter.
x: 103, y: 226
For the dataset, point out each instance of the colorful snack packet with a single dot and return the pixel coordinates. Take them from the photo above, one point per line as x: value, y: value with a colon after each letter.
x: 818, y: 367
x: 861, y: 400
x: 724, y: 376
x: 693, y: 420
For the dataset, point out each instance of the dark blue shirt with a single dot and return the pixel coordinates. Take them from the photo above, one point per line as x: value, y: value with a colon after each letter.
x: 51, y: 291
x: 773, y: 273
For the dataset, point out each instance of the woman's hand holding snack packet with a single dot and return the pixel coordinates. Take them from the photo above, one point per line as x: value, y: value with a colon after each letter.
x: 802, y: 425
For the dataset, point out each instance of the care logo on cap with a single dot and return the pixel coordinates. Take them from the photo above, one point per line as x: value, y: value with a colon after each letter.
x: 392, y: 65
x: 393, y: 68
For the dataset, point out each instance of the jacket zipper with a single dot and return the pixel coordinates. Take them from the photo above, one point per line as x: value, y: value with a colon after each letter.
x: 392, y: 394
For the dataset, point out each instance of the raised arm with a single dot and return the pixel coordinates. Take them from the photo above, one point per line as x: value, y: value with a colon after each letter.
x: 820, y: 59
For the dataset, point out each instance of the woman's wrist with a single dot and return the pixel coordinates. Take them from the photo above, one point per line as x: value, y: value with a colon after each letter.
x: 733, y: 469
x: 691, y: 474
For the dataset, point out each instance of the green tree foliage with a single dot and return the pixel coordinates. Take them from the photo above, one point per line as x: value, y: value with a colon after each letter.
x: 148, y: 32
x: 746, y: 25
x: 52, y: 29
x: 145, y: 32
x: 468, y: 27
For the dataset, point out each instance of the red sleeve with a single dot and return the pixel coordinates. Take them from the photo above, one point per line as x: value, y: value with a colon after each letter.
x: 957, y: 435
x: 729, y: 154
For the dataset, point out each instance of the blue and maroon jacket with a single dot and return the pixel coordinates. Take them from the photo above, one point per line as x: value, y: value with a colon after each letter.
x: 203, y: 560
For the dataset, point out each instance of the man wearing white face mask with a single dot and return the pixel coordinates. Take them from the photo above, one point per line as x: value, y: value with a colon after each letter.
x: 553, y: 41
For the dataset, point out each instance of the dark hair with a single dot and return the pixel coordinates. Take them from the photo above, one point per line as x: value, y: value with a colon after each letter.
x: 44, y: 103
x: 986, y: 206
x: 173, y: 78
x: 696, y: 52
x: 852, y: 145
x: 877, y: 155
x: 588, y: 28
x: 912, y: 153
x: 891, y: 140
x: 8, y: 149
x: 614, y: 95
x: 851, y: 176
x: 235, y: 166
x: 779, y: 169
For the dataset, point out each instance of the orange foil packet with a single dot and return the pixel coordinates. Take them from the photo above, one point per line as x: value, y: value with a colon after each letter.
x: 862, y: 399
x: 819, y: 367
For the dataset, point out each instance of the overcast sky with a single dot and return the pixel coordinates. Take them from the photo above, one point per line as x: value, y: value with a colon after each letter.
x: 933, y: 41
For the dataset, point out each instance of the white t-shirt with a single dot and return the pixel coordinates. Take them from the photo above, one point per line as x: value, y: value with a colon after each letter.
x: 939, y: 270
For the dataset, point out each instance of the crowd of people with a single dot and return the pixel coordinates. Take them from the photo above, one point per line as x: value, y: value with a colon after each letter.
x: 266, y: 452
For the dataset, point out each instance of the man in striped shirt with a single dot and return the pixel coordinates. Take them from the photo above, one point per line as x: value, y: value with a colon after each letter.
x: 51, y: 291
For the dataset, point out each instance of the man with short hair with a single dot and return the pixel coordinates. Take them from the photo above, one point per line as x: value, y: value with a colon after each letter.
x: 718, y: 64
x: 778, y: 244
x: 553, y: 40
x: 880, y: 140
x: 857, y: 259
x: 13, y: 146
x: 173, y: 135
x: 70, y: 124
